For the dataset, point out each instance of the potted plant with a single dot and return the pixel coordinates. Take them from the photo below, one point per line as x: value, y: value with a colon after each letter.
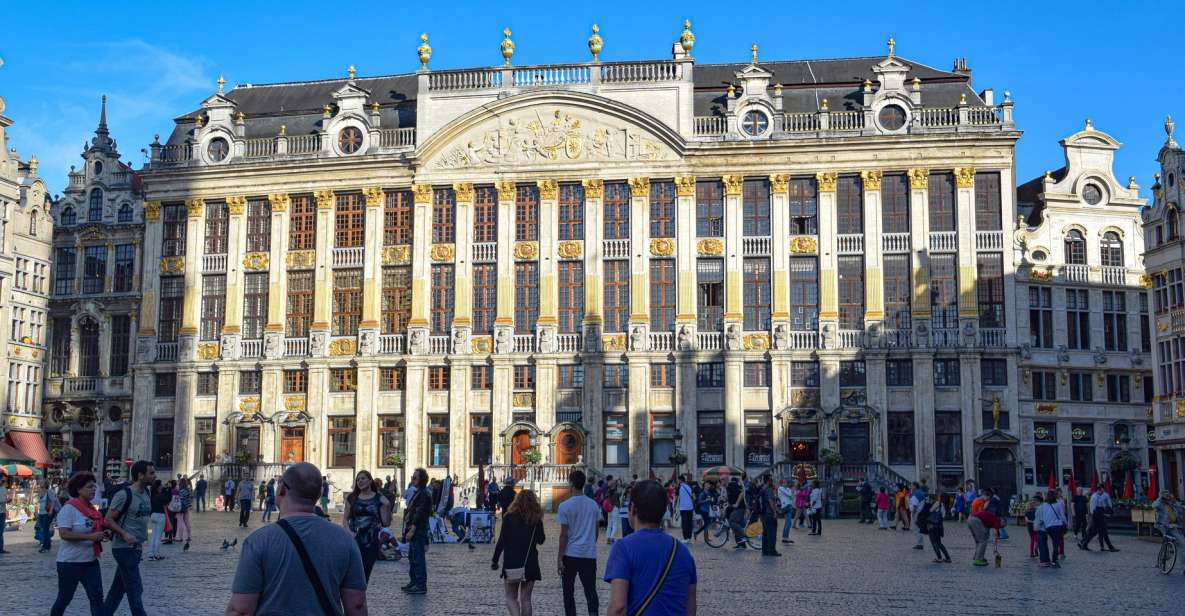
x: 677, y: 458
x: 830, y: 458
x: 65, y: 452
x: 393, y: 459
x: 532, y: 456
x: 242, y: 457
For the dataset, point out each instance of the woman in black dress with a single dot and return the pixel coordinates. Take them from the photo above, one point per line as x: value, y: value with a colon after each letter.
x: 367, y: 512
x: 522, y: 532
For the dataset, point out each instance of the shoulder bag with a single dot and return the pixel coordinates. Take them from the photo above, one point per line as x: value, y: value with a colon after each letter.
x: 519, y: 574
x: 309, y: 570
x: 662, y: 580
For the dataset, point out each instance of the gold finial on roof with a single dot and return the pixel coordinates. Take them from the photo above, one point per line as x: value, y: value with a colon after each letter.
x: 732, y: 90
x: 507, y: 46
x: 917, y: 84
x: 326, y: 111
x: 777, y: 89
x: 1048, y: 175
x: 596, y: 43
x: 374, y: 107
x: 1089, y: 126
x: 754, y: 50
x: 350, y: 71
x: 892, y: 44
x: 687, y: 39
x: 424, y: 51
x: 33, y: 164
x: 1169, y: 126
x: 867, y: 85
x: 283, y: 130
x: 963, y: 98
x: 221, y: 83
x: 198, y: 120
x: 823, y: 105
x: 240, y: 117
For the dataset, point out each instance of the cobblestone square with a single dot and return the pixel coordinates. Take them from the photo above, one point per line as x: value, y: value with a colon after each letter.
x: 852, y: 569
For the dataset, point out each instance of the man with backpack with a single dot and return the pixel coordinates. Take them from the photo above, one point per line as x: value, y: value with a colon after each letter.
x: 127, y: 517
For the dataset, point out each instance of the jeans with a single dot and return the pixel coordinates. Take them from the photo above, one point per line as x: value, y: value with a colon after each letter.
x: 817, y: 521
x: 228, y: 502
x: 1049, y: 543
x: 3, y: 525
x: 126, y: 581
x: 44, y: 530
x: 417, y: 567
x: 244, y: 512
x: 200, y: 500
x: 769, y: 533
x: 268, y: 508
x: 586, y: 569
x: 69, y: 575
x: 158, y: 529
x: 788, y: 520
x: 939, y: 549
x: 736, y: 522
x: 1098, y: 527
x: 865, y: 510
x: 882, y: 515
x: 687, y: 521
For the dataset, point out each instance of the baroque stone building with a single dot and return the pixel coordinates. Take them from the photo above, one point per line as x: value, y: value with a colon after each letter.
x: 1164, y: 257
x: 95, y: 298
x: 25, y: 232
x: 1082, y: 321
x: 607, y: 262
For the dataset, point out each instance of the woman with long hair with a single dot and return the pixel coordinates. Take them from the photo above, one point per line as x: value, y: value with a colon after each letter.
x: 183, y: 527
x: 366, y: 513
x: 522, y: 532
x: 159, y: 501
x: 81, y: 528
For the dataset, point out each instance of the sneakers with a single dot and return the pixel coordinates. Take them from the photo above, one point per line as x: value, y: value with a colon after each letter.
x: 1044, y: 565
x: 186, y: 548
x: 1055, y: 566
x: 917, y: 547
x: 416, y: 590
x: 740, y: 546
x: 979, y: 563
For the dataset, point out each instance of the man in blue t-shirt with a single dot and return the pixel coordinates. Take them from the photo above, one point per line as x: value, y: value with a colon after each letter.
x: 640, y: 566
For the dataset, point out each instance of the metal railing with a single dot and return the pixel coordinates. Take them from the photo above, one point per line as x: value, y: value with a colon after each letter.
x: 944, y: 241
x: 391, y: 344
x: 296, y: 347
x: 895, y: 243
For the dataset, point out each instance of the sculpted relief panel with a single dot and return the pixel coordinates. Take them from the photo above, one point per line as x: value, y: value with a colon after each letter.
x: 545, y: 134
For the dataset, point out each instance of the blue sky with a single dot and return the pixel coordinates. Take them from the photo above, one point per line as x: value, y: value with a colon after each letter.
x: 1117, y: 63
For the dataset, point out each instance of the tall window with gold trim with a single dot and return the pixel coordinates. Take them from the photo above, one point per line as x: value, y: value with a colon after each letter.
x: 851, y: 292
x: 989, y: 286
x: 571, y: 296
x: 804, y: 207
x: 526, y: 213
x: 347, y: 301
x: 172, y: 298
x: 485, y: 215
x: 944, y: 291
x: 255, y: 288
x: 397, y: 218
x: 259, y: 225
x: 444, y: 216
x: 895, y: 203
x: 571, y: 212
x: 942, y: 202
x: 349, y: 221
x: 758, y: 299
x: 898, y: 292
x: 804, y: 294
x: 709, y: 208
x: 300, y: 304
x: 755, y: 207
x: 662, y: 295
x: 213, y: 305
x: 396, y: 305
x: 302, y: 223
x: 217, y: 228
x: 173, y: 221
x: 617, y: 211
x: 662, y: 209
x: 849, y: 205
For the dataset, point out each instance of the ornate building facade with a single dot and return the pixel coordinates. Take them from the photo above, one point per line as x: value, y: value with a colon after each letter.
x: 602, y: 262
x: 1165, y: 259
x: 94, y: 304
x: 1082, y: 321
x: 25, y: 232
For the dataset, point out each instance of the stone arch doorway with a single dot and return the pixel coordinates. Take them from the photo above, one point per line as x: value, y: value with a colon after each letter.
x: 568, y: 444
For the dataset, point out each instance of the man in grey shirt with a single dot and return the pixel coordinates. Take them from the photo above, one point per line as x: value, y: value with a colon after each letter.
x: 128, y: 519
x: 245, y: 496
x: 271, y: 579
x: 577, y: 555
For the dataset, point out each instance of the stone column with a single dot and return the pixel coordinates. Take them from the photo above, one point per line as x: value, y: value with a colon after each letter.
x: 685, y: 252
x: 501, y: 393
x: 923, y: 415
x: 779, y: 185
x: 140, y: 427
x: 968, y: 300
x: 971, y: 402
x: 638, y: 405
x: 459, y: 454
x: 227, y: 403
x: 149, y: 271
x: 271, y: 401
x: 366, y: 415
x: 874, y: 301
x: 421, y: 272
x: 372, y: 274
x: 545, y: 386
x: 876, y: 396
x: 323, y: 276
x: 828, y: 264
x: 779, y: 398
x: 415, y: 401
x: 594, y: 312
x: 640, y: 259
x: 733, y: 253
x: 687, y: 404
x: 183, y: 419
x: 463, y: 285
x: 236, y: 242
x: 80, y: 263
x: 504, y: 310
x: 318, y: 429
x: 194, y: 231
x: 548, y: 283
x: 109, y: 270
x: 734, y: 411
x: 277, y: 290
x: 919, y: 236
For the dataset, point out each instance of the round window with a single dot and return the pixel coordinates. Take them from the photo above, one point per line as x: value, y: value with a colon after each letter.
x: 755, y: 123
x: 1092, y: 195
x: 891, y: 117
x: 349, y: 140
x: 218, y: 149
x: 1039, y: 255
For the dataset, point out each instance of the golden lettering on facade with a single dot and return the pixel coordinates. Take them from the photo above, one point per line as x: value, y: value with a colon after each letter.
x: 594, y: 188
x: 710, y: 247
x: 463, y: 191
x: 374, y: 196
x: 324, y: 199
x: 662, y: 247
x: 804, y: 244
x: 526, y: 250
x: 685, y: 185
x: 442, y: 252
x: 779, y: 183
x: 236, y: 206
x: 571, y: 249
x: 919, y: 179
x: 732, y: 184
x: 152, y: 210
x: 965, y: 177
x: 548, y: 189
x: 826, y: 181
x: 872, y: 179
x: 279, y: 202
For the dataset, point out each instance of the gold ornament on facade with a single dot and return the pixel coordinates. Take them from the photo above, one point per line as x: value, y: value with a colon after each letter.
x: 374, y: 196
x: 687, y: 39
x: 482, y: 344
x: 424, y: 51
x: 208, y: 351
x: 507, y: 46
x: 639, y: 187
x: 421, y: 193
x: 756, y: 342
x: 826, y: 181
x: 396, y: 255
x: 872, y: 179
x: 172, y: 265
x: 526, y: 250
x: 571, y: 249
x: 595, y: 43
x: 779, y: 183
x: 965, y: 177
x: 294, y: 403
x: 613, y: 342
x: 685, y: 185
x: 249, y: 404
x: 523, y: 400
x: 918, y: 178
x: 506, y: 190
x: 710, y: 247
x: 343, y: 346
x: 594, y: 188
x: 195, y: 207
x: 804, y: 244
x: 732, y: 184
x: 324, y: 199
x: 1040, y: 274
x: 299, y: 259
x: 1162, y: 327
x: 279, y: 202
x: 1146, y: 281
x: 1180, y: 408
x: 152, y: 210
x: 548, y: 190
x: 1046, y: 409
x: 256, y: 261
x: 442, y: 252
x: 662, y: 247
x: 463, y: 192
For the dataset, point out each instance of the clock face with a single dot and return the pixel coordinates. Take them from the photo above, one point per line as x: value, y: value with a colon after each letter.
x: 891, y: 117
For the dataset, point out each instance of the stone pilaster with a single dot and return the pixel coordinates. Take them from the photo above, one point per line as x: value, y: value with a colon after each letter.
x: 504, y: 309
x: 594, y: 307
x: 923, y: 415
x: 366, y: 415
x: 323, y: 274
x: 828, y: 265
x: 419, y: 322
x: 183, y: 420
x: 640, y: 256
x: 874, y: 287
x: 734, y: 411
x: 780, y: 248
x: 317, y: 436
x: 459, y: 454
x: 965, y: 207
x: 232, y: 324
x: 733, y: 254
x: 372, y: 272
x: 548, y: 282
x: 919, y: 233
x: 501, y: 394
x: 463, y: 286
x: 638, y: 405
x: 194, y: 230
x: 277, y: 290
x: 685, y: 251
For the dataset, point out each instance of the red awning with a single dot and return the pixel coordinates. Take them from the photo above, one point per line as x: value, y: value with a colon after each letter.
x: 30, y: 444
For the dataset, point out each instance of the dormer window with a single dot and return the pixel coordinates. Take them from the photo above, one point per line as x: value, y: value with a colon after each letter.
x: 218, y: 149
x: 68, y: 216
x: 94, y: 211
x: 349, y: 140
x: 125, y: 213
x: 1092, y: 195
x: 891, y: 117
x: 755, y: 123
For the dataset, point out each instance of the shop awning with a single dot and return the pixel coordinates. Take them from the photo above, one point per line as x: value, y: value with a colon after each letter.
x: 30, y: 444
x: 10, y: 455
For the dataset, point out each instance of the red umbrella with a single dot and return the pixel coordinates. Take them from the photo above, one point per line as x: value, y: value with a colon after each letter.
x: 1128, y: 487
x: 1094, y: 484
x: 1052, y: 481
x: 1072, y: 486
x: 1152, y: 494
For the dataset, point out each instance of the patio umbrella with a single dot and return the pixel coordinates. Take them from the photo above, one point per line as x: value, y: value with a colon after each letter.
x: 19, y: 470
x: 1128, y: 487
x: 801, y: 474
x: 1152, y: 492
x: 721, y: 473
x: 1094, y: 484
x: 1052, y: 481
x: 1072, y: 486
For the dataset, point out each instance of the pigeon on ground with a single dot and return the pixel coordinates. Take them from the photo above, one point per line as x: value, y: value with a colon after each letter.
x: 225, y: 544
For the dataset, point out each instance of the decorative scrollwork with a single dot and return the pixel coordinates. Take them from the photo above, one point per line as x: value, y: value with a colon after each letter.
x: 804, y: 244
x: 662, y: 247
x: 526, y: 250
x: 571, y: 249
x: 710, y: 247
x: 443, y: 252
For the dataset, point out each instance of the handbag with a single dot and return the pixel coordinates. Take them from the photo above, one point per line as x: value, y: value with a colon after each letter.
x: 175, y: 504
x: 519, y: 574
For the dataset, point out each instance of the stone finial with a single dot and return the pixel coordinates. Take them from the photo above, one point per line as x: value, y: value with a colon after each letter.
x: 374, y: 107
x: 221, y: 83
x: 1007, y: 96
x: 1169, y: 126
x: 892, y: 43
x: 507, y: 46
x: 1131, y: 183
x: 687, y: 39
x: 424, y: 51
x: 595, y: 43
x: 1088, y: 126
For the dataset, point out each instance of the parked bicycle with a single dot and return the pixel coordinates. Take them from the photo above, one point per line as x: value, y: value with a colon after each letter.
x: 1166, y: 558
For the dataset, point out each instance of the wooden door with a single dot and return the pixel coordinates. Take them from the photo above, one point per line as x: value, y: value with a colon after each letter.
x: 292, y: 445
x: 569, y: 446
x: 519, y: 444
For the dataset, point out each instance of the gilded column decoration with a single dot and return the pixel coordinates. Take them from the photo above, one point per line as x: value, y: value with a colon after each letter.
x: 324, y: 199
x: 463, y: 191
x: 872, y: 179
x: 732, y: 184
x: 685, y: 185
x: 279, y: 202
x: 548, y: 190
x: 639, y: 187
x: 779, y: 182
x: 152, y: 210
x: 195, y: 207
x: 919, y: 178
x: 965, y: 177
x: 236, y: 206
x: 374, y: 196
x: 826, y: 181
x: 594, y: 189
x: 421, y: 193
x: 506, y: 190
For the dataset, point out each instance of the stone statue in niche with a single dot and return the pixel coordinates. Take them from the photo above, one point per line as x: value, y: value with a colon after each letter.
x: 592, y: 338
x: 732, y: 337
x: 828, y: 335
x: 684, y: 342
x: 317, y: 344
x: 460, y: 341
x: 417, y: 342
x: 638, y: 338
x: 502, y: 342
x: 546, y: 340
x: 781, y: 337
x: 271, y: 346
x: 366, y: 342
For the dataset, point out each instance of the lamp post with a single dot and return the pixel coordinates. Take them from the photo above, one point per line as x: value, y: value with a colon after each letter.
x: 678, y: 455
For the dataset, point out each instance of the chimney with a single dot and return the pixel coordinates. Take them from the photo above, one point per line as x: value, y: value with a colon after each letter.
x: 960, y: 67
x: 988, y: 96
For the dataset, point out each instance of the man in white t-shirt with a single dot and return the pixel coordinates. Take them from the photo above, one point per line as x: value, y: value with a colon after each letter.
x: 577, y: 555
x: 685, y: 502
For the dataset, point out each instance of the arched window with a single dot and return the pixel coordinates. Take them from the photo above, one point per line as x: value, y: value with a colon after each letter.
x: 94, y: 212
x: 1111, y: 249
x: 68, y: 216
x: 1171, y: 221
x: 1075, y: 248
x: 88, y: 347
x: 125, y: 213
x: 33, y: 223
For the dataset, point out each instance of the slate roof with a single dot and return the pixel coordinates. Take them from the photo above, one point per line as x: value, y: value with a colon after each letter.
x: 1028, y: 197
